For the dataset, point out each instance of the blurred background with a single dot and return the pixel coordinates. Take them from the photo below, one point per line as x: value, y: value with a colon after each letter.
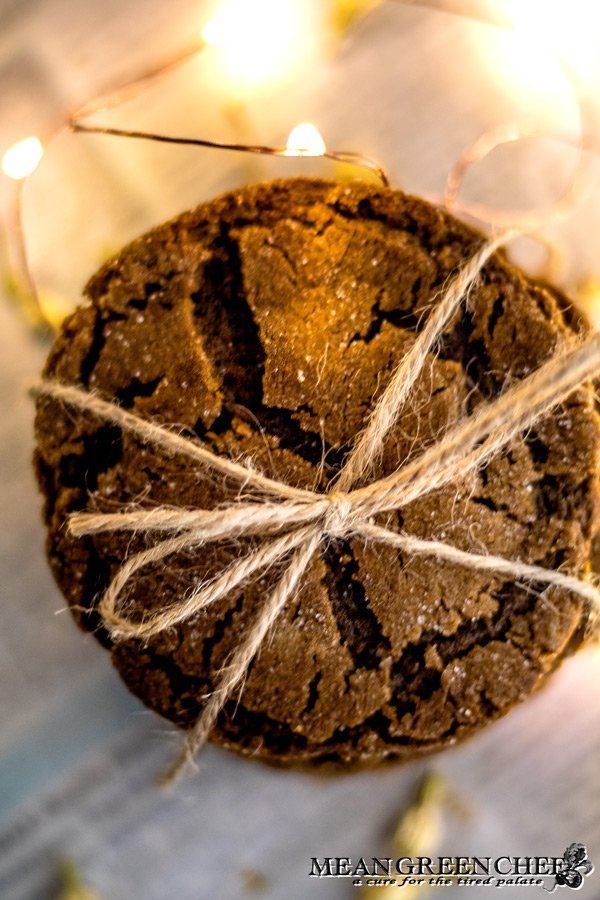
x: 414, y: 88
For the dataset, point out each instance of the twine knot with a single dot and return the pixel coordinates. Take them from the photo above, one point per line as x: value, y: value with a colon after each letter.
x: 293, y: 522
x: 339, y: 515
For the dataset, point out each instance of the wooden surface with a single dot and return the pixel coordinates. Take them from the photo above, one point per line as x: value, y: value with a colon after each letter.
x: 77, y: 752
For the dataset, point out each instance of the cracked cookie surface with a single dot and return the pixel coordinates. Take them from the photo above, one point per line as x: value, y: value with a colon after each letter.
x: 265, y: 323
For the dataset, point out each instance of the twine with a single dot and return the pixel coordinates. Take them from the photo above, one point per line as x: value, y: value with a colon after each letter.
x: 294, y: 523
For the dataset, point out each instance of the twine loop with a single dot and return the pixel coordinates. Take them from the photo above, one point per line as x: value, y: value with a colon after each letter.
x: 292, y: 523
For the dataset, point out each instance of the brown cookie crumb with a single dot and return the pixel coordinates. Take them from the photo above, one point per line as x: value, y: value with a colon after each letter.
x: 265, y: 323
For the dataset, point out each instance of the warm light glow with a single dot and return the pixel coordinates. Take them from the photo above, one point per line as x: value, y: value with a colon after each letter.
x: 588, y: 300
x: 256, y: 38
x: 568, y: 28
x: 527, y: 60
x: 530, y: 73
x: 305, y: 140
x: 22, y: 158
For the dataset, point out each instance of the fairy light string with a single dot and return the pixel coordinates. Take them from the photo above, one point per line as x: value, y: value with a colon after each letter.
x: 344, y: 156
x: 485, y: 13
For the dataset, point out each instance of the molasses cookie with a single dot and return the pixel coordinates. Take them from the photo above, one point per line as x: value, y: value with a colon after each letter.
x: 266, y: 323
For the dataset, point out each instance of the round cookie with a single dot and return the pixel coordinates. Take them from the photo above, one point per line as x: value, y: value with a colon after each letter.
x: 265, y: 323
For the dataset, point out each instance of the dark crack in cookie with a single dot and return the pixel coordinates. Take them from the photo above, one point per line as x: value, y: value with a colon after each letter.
x: 265, y: 323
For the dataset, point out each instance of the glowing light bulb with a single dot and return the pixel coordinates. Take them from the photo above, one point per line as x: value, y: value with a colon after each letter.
x: 569, y: 28
x: 305, y: 140
x: 22, y: 158
x: 257, y: 40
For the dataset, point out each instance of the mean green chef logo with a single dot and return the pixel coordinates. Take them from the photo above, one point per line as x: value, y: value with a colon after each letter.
x: 546, y: 872
x: 576, y: 867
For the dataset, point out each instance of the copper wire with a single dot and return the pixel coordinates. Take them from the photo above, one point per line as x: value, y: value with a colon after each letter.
x: 344, y: 156
x: 580, y: 182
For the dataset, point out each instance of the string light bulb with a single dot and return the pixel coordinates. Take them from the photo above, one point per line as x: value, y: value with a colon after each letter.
x: 257, y: 40
x: 23, y: 158
x: 305, y: 140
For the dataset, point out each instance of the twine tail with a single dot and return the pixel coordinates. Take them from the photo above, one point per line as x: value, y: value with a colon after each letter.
x: 473, y: 441
x: 484, y: 562
x: 385, y: 414
x: 165, y: 438
x: 232, y: 674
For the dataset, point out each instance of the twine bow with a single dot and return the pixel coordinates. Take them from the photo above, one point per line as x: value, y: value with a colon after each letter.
x: 293, y: 523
